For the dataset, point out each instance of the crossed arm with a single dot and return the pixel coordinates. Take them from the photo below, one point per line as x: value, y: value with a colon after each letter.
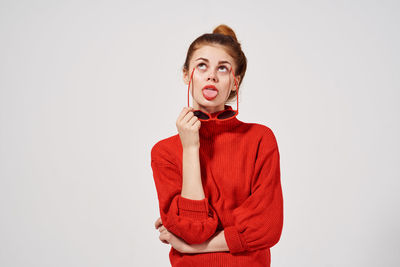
x: 192, y: 188
x: 216, y: 243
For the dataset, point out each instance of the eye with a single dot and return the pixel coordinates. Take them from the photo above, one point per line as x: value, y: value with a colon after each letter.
x: 223, y: 68
x: 201, y: 66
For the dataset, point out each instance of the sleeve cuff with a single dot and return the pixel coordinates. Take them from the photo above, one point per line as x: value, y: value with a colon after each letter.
x: 234, y: 241
x: 195, y: 209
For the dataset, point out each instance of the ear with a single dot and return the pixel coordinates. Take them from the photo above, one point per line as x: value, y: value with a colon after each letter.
x: 238, y: 81
x: 185, y: 76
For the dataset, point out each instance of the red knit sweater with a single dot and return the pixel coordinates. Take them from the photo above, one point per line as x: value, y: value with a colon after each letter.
x: 240, y: 173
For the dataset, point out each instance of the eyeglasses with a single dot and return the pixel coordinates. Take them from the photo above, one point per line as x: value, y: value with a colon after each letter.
x: 225, y: 114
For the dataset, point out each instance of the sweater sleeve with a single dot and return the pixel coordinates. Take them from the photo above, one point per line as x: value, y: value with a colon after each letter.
x: 195, y: 221
x: 258, y: 221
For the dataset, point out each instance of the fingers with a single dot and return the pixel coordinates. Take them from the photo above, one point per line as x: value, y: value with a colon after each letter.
x: 158, y: 223
x: 165, y: 236
x: 193, y: 120
x: 186, y: 117
x: 190, y: 115
x: 197, y: 125
x: 183, y: 113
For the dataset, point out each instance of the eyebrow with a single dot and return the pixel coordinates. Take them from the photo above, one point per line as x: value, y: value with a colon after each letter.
x: 220, y: 62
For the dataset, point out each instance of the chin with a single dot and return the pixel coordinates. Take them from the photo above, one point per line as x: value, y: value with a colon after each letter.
x: 209, y: 103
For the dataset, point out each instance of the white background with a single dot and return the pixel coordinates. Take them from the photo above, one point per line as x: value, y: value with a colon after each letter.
x: 88, y: 87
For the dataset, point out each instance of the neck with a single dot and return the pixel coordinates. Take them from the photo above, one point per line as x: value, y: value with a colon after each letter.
x: 206, y: 109
x: 215, y: 126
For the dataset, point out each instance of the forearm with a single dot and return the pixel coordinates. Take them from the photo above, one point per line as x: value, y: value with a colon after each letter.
x: 217, y: 243
x: 192, y: 186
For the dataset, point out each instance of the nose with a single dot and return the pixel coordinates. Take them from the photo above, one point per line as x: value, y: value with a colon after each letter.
x: 212, y: 76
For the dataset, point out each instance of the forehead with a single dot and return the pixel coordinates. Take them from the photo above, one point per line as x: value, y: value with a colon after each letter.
x: 213, y: 53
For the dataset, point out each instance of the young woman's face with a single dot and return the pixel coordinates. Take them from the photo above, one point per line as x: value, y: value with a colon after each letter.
x: 212, y: 80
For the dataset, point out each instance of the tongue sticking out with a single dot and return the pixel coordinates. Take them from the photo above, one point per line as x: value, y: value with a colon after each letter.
x: 210, y: 93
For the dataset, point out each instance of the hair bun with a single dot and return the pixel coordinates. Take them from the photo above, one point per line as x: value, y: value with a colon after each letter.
x: 225, y: 30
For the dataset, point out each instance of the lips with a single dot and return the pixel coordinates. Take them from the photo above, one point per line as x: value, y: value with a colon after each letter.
x: 210, y: 92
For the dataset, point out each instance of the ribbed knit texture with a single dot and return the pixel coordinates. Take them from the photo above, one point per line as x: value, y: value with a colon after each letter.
x: 240, y: 174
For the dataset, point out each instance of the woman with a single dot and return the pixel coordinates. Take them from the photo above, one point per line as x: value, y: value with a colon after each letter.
x: 218, y: 179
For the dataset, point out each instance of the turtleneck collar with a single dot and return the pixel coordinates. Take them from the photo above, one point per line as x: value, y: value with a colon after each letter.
x: 215, y: 125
